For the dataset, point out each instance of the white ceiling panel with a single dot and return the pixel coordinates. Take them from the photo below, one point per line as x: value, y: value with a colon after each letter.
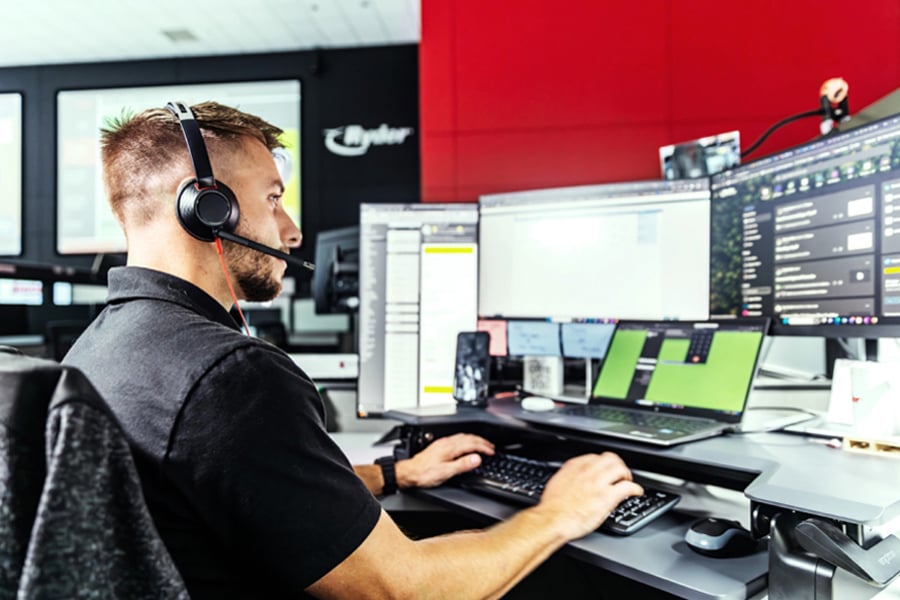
x: 72, y: 31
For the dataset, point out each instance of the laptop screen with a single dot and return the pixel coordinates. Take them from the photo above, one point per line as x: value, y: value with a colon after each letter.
x: 699, y: 368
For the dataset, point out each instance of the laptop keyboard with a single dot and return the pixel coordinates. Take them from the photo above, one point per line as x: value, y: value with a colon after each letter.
x: 653, y: 420
x: 522, y: 480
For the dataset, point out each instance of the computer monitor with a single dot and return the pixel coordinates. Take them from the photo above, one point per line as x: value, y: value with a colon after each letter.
x: 10, y: 174
x: 335, y: 284
x: 26, y: 292
x: 84, y: 222
x: 811, y: 236
x: 496, y: 328
x: 533, y: 338
x: 417, y: 290
x: 636, y: 250
x: 701, y: 157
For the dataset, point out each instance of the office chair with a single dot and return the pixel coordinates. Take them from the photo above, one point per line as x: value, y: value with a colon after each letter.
x: 73, y: 522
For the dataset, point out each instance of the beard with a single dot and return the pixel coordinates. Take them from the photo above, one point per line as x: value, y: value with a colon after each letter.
x: 254, y: 272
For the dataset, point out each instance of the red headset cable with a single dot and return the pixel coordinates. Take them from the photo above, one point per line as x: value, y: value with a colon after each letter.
x: 230, y: 287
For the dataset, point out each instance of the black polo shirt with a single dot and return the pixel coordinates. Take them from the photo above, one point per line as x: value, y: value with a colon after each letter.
x: 250, y: 495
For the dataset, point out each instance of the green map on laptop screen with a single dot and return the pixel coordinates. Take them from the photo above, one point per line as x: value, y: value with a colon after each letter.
x: 691, y: 365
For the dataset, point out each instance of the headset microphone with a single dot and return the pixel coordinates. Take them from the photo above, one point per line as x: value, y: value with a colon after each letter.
x: 208, y: 209
x: 231, y: 237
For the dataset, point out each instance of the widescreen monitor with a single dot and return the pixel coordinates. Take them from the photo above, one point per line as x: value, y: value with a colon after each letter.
x: 10, y: 174
x: 84, y: 222
x: 811, y: 236
x: 636, y: 250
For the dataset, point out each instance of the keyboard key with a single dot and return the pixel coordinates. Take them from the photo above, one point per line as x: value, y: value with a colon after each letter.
x: 522, y: 480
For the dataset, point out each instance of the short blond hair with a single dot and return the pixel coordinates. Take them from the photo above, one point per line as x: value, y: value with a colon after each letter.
x: 145, y: 155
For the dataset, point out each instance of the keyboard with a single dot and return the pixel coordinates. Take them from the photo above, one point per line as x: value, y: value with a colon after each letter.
x: 656, y: 420
x: 522, y: 480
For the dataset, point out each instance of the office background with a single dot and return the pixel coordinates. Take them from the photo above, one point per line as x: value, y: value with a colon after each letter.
x: 503, y: 99
x: 339, y: 87
x: 499, y: 99
x: 567, y: 93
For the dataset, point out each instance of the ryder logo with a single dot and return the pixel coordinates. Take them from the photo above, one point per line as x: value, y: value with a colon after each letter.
x: 354, y: 140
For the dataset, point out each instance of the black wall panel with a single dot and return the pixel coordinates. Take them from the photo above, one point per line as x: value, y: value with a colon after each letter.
x: 364, y: 87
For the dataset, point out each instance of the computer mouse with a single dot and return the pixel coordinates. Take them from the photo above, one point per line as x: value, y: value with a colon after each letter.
x: 720, y: 538
x: 537, y: 404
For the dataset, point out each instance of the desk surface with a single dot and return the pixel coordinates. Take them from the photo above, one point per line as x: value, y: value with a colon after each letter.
x: 781, y: 470
x: 656, y: 555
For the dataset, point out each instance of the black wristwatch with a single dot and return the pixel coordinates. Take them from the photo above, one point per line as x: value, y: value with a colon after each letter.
x: 389, y: 473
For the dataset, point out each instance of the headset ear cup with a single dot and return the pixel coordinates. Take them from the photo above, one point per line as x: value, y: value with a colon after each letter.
x: 203, y: 212
x: 230, y: 223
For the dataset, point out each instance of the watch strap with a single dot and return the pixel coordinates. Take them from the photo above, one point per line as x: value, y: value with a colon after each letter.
x: 389, y: 473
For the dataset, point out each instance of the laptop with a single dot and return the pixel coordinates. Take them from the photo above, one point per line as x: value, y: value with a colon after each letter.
x: 667, y: 382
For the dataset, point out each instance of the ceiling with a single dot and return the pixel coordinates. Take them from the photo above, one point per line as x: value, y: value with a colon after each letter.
x: 70, y: 31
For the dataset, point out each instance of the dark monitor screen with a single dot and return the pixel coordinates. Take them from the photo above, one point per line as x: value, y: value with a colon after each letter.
x: 335, y: 286
x: 85, y: 223
x: 811, y: 236
x: 10, y: 174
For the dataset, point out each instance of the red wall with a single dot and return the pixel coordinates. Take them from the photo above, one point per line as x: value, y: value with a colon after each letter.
x: 530, y: 94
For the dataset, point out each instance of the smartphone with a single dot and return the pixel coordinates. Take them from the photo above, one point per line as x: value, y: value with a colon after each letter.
x: 473, y: 365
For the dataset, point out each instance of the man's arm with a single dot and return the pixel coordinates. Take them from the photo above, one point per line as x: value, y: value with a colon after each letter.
x: 485, y: 563
x: 441, y: 460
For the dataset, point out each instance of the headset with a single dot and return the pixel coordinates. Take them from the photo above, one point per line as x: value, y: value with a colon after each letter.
x: 207, y: 209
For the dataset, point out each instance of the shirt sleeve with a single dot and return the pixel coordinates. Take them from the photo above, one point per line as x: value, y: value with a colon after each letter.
x: 251, y: 453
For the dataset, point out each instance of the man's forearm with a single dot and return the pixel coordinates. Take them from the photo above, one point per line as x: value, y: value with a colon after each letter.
x: 371, y: 477
x: 501, y: 556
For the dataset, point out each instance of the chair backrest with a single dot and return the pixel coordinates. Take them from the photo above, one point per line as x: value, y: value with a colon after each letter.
x: 73, y: 522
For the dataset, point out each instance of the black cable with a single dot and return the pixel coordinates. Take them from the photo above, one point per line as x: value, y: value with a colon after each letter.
x: 781, y: 123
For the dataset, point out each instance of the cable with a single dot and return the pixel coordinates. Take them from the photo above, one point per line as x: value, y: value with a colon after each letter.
x: 737, y: 431
x: 781, y: 123
x: 787, y: 408
x: 230, y: 287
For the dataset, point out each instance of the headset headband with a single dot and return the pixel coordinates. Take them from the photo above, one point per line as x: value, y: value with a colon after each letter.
x: 195, y: 144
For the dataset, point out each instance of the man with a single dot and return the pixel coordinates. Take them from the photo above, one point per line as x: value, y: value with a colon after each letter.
x: 250, y: 495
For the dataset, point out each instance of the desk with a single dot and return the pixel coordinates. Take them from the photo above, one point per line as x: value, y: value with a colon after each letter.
x: 773, y: 472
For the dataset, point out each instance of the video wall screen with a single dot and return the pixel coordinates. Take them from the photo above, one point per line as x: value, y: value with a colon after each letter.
x: 85, y: 224
x: 10, y: 174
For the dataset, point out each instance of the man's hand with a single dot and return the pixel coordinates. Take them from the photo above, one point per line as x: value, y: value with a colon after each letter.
x: 584, y: 491
x: 444, y: 458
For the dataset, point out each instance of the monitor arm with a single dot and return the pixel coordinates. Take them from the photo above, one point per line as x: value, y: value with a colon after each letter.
x: 806, y: 553
x: 879, y: 564
x: 833, y: 108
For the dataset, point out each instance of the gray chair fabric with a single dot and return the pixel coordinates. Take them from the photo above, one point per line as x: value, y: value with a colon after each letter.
x: 73, y: 522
